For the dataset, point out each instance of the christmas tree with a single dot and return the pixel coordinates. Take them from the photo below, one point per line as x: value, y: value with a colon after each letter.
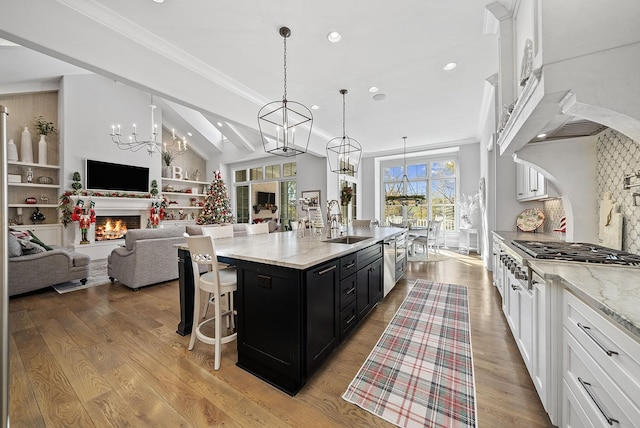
x: 217, y: 208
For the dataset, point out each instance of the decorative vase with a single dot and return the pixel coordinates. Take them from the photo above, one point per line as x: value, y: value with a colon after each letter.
x: 466, y: 221
x: 42, y: 150
x: 166, y: 171
x: 12, y: 151
x: 26, y: 147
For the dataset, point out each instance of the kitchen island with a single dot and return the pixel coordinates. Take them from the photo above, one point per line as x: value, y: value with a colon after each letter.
x: 297, y: 298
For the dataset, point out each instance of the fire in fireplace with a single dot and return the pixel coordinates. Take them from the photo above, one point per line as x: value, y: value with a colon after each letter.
x: 109, y: 227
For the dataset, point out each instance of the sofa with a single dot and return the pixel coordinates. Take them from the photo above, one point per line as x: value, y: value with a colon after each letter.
x: 149, y: 256
x: 33, y: 266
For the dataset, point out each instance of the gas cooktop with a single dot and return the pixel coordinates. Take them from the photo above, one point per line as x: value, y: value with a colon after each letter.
x: 577, y: 252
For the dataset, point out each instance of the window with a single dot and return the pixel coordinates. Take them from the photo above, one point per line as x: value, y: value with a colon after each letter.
x: 241, y: 175
x: 289, y: 169
x: 255, y: 174
x: 283, y: 174
x: 288, y: 204
x: 428, y: 192
x: 272, y: 171
x: 242, y: 204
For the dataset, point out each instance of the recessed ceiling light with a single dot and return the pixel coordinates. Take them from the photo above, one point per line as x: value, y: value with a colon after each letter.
x: 541, y: 135
x: 189, y: 134
x: 158, y: 1
x: 379, y: 97
x: 449, y: 66
x: 374, y: 89
x: 314, y: 107
x: 220, y: 124
x: 334, y: 37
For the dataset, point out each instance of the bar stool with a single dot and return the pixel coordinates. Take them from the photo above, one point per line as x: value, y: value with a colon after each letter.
x: 216, y: 232
x: 257, y: 229
x: 217, y: 283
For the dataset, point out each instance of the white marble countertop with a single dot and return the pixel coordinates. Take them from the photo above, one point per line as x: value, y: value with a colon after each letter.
x: 287, y: 250
x: 509, y: 235
x: 614, y: 290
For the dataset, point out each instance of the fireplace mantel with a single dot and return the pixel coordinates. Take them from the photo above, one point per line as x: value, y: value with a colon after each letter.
x: 115, y: 203
x: 109, y: 206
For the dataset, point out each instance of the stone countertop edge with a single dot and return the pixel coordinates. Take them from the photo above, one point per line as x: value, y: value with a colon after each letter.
x: 285, y: 249
x: 612, y: 290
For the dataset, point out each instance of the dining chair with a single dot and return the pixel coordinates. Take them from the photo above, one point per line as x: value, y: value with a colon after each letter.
x: 219, y: 283
x: 430, y: 239
x: 360, y: 223
x: 257, y: 229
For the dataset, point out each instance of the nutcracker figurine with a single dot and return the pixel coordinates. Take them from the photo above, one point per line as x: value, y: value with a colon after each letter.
x: 84, y: 216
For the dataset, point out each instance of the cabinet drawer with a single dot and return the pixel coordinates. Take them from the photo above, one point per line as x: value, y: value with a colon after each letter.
x: 368, y: 255
x: 573, y: 415
x: 597, y: 335
x: 348, y: 265
x: 348, y: 320
x: 347, y: 291
x: 597, y: 394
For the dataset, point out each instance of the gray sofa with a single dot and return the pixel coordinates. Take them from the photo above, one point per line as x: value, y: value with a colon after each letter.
x: 35, y: 271
x: 149, y: 256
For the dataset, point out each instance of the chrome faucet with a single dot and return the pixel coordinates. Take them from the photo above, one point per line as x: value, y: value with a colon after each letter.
x: 332, y: 219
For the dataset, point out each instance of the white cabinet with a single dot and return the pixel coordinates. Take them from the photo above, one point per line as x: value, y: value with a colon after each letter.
x: 520, y: 317
x: 541, y: 332
x: 601, y: 369
x: 50, y: 234
x: 531, y: 184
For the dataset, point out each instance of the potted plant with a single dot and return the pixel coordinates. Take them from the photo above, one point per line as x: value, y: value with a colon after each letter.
x: 44, y: 128
x: 77, y: 184
x: 167, y: 158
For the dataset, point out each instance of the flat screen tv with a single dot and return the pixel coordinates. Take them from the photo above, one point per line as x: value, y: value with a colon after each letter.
x: 115, y: 177
x: 265, y: 198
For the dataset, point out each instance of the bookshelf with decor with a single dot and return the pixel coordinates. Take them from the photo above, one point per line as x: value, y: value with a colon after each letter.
x: 33, y: 179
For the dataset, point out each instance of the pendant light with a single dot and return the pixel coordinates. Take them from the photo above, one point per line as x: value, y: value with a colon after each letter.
x: 409, y: 195
x: 280, y: 121
x: 344, y: 152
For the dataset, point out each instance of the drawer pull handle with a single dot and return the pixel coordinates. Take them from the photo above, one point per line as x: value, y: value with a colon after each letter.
x: 329, y: 269
x: 584, y: 384
x: 350, y: 291
x: 350, y: 265
x: 592, y: 337
x: 350, y: 320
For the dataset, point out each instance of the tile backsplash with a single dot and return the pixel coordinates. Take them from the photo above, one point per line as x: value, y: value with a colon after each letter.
x: 617, y: 156
x: 554, y: 211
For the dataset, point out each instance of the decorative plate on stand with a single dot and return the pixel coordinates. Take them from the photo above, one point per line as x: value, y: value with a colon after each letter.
x: 530, y: 219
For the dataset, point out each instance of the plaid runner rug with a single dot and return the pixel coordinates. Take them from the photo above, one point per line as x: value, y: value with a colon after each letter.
x: 420, y: 373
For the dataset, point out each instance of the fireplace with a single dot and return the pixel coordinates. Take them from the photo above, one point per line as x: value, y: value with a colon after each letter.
x: 115, y: 226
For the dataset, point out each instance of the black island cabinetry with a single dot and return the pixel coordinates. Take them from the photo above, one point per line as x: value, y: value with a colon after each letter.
x: 290, y: 320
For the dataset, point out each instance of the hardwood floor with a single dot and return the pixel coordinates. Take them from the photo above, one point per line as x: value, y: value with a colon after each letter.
x: 108, y: 356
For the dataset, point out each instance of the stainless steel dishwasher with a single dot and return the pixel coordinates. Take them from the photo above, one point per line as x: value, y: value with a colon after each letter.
x: 389, y: 264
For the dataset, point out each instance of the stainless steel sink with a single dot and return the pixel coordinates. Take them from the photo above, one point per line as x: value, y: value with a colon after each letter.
x: 347, y: 239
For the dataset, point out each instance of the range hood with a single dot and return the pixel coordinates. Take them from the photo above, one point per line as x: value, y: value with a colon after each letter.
x: 577, y: 97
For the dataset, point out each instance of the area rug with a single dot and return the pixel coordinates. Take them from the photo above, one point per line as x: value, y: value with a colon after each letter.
x: 97, y: 276
x: 420, y: 373
x: 432, y: 257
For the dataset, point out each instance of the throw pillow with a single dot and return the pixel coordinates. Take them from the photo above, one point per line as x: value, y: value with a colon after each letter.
x: 15, y: 249
x: 38, y: 241
x: 30, y: 247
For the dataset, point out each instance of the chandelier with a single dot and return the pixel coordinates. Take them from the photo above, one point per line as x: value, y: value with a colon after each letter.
x: 279, y: 121
x: 176, y: 147
x: 344, y: 152
x: 405, y: 186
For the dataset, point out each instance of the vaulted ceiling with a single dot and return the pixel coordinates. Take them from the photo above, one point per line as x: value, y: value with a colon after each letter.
x: 219, y: 62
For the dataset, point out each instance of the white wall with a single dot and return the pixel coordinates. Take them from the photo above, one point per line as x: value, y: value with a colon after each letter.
x: 90, y: 104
